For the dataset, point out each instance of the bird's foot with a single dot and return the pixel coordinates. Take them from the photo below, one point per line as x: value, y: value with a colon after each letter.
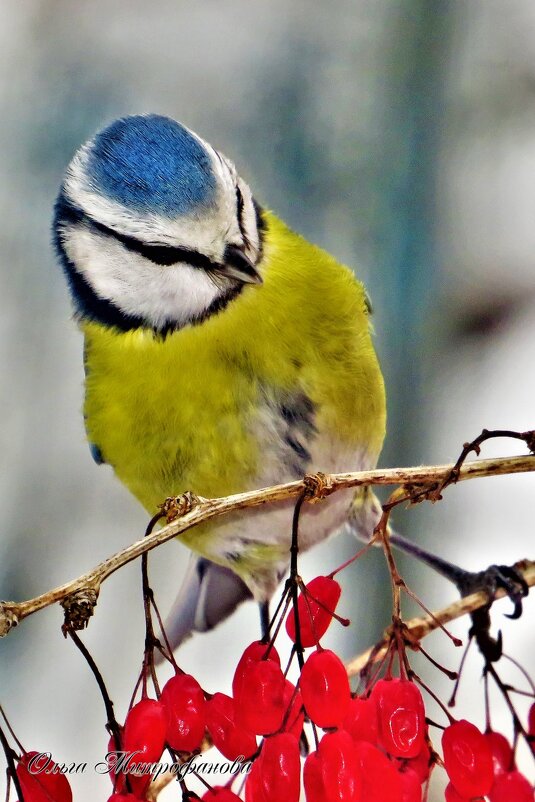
x: 496, y: 577
x: 492, y: 579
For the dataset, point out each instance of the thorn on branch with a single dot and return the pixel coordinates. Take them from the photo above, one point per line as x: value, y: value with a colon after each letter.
x: 78, y: 608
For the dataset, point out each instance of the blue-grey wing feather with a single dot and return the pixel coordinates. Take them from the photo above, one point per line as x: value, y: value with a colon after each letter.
x: 96, y: 453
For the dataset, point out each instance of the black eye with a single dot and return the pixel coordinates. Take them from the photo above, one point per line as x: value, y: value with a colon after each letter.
x: 159, y: 254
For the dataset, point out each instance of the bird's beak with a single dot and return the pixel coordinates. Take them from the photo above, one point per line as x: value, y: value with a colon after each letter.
x: 238, y: 266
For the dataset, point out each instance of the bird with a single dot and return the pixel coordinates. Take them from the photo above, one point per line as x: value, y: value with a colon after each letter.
x: 223, y: 352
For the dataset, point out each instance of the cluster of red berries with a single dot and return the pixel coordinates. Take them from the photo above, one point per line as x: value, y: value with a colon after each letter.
x: 177, y: 720
x: 374, y: 747
x: 480, y: 765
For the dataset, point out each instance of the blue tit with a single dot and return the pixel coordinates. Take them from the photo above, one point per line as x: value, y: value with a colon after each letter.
x: 223, y: 352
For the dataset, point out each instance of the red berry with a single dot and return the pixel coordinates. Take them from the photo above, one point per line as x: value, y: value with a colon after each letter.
x: 361, y: 720
x: 315, y: 790
x: 220, y: 794
x: 411, y: 787
x: 451, y: 795
x: 421, y: 764
x: 325, y: 688
x: 144, y: 731
x: 183, y: 701
x: 253, y: 784
x: 260, y: 701
x: 255, y: 652
x: 38, y: 780
x: 502, y: 753
x: 511, y: 787
x: 280, y: 768
x: 340, y: 769
x: 467, y: 759
x: 380, y: 779
x: 293, y: 718
x: 144, y: 739
x: 400, y: 715
x: 314, y: 619
x: 112, y: 745
x: 232, y: 740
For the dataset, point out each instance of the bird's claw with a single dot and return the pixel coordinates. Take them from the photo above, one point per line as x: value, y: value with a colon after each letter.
x: 494, y: 578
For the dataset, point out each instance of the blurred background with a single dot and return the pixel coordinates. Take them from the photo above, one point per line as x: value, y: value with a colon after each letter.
x: 397, y: 134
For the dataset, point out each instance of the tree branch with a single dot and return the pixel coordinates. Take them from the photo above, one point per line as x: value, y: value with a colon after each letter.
x: 188, y: 510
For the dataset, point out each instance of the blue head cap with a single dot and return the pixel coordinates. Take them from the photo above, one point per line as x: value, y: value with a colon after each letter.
x: 151, y: 164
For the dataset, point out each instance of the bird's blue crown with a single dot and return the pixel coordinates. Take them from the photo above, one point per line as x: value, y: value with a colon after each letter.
x: 151, y: 163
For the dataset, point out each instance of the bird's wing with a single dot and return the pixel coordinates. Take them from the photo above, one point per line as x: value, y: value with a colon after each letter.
x: 96, y: 453
x: 208, y: 595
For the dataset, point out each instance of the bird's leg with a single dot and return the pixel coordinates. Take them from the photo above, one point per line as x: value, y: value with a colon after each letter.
x: 366, y: 510
x: 467, y: 582
x: 263, y: 608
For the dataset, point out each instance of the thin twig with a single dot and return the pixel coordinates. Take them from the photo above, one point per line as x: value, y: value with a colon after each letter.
x: 11, y: 769
x: 112, y: 724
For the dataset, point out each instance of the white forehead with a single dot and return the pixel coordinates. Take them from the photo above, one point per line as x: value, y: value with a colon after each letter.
x: 207, y: 228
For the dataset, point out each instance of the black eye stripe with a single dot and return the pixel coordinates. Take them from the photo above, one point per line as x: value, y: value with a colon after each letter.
x: 162, y: 255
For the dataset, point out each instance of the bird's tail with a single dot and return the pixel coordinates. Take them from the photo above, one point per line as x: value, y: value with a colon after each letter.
x: 208, y: 595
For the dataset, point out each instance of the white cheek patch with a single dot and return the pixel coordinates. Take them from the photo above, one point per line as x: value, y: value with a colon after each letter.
x: 159, y: 294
